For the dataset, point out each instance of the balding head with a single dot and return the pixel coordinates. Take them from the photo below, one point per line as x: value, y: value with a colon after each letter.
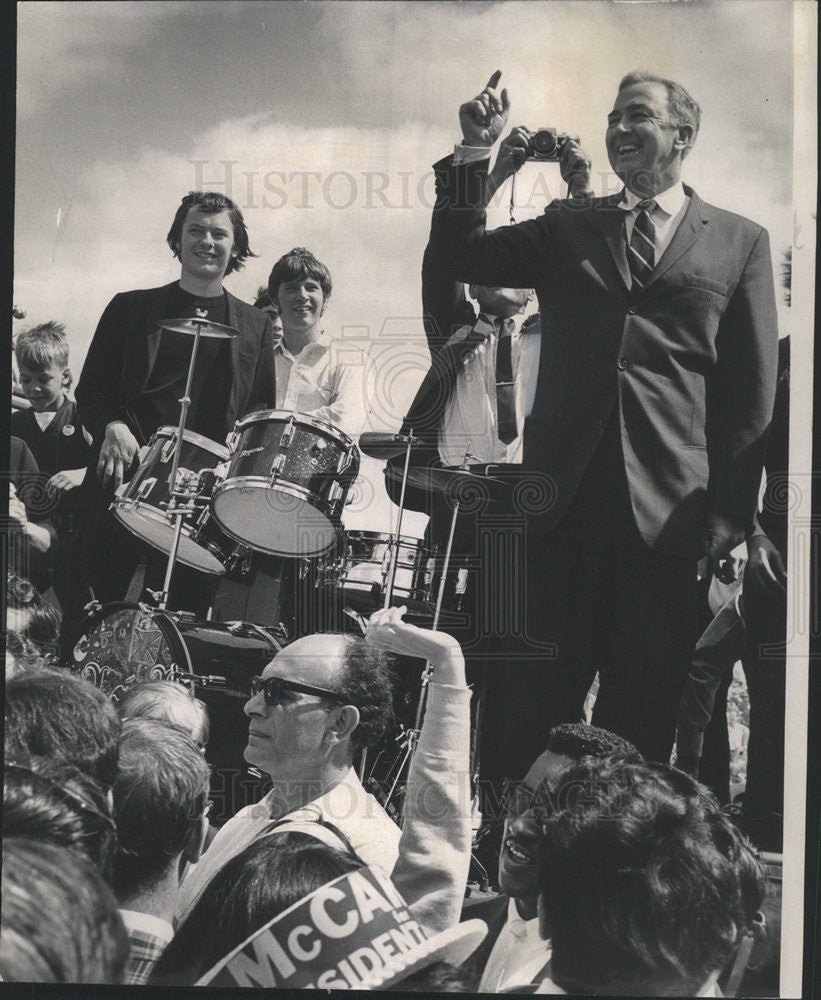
x: 295, y: 734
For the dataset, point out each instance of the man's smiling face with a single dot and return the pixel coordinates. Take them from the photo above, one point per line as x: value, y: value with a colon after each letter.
x: 644, y: 146
x: 206, y: 244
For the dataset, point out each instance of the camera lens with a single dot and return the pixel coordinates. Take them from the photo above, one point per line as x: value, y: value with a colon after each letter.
x: 544, y: 142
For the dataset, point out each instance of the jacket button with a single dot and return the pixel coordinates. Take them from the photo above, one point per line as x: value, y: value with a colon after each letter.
x: 622, y: 364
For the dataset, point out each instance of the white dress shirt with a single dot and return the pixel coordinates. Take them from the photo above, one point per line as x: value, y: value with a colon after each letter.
x: 518, y: 956
x: 470, y: 421
x: 326, y: 379
x: 666, y: 216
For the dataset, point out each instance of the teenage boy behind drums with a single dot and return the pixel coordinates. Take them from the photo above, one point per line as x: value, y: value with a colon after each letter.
x: 135, y: 373
x: 316, y: 376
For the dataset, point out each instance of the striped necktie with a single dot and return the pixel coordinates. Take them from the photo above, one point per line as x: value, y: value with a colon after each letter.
x: 505, y: 385
x: 642, y: 251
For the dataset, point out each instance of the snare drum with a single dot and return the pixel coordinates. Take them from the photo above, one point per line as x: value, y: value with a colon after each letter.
x: 362, y: 570
x: 286, y: 484
x: 119, y: 645
x: 142, y: 504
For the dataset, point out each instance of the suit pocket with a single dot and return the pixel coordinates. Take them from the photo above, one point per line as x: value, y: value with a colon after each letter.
x: 707, y: 284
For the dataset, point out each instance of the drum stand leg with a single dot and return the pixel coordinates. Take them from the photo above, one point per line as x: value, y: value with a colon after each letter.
x: 172, y: 558
x: 395, y: 540
x: 427, y: 673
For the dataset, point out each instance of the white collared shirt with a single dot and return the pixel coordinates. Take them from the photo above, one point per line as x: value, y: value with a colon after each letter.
x: 666, y: 216
x: 327, y: 379
x: 469, y: 423
x: 147, y: 923
x: 518, y: 956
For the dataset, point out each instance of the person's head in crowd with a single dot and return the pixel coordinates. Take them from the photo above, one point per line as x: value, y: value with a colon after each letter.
x: 300, y: 286
x: 22, y: 597
x: 528, y: 801
x: 52, y: 713
x: 57, y: 802
x: 270, y: 875
x: 160, y: 807
x: 22, y: 656
x: 646, y: 887
x: 42, y: 362
x: 501, y: 302
x: 43, y: 630
x: 264, y: 303
x: 168, y: 702
x: 319, y: 701
x: 651, y: 129
x: 60, y: 920
x: 205, y: 209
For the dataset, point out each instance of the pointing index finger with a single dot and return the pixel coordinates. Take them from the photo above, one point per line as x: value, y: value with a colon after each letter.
x: 494, y: 80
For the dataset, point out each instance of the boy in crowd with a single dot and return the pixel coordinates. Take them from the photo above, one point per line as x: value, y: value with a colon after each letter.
x: 50, y: 429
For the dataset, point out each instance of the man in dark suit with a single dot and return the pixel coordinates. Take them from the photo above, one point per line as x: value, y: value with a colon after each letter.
x: 135, y: 373
x: 654, y: 397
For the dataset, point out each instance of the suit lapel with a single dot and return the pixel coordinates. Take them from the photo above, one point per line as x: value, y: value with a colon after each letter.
x: 236, y: 366
x: 611, y: 224
x: 157, y: 310
x: 689, y: 230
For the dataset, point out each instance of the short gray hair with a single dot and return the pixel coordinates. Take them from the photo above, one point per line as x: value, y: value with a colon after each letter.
x: 683, y: 109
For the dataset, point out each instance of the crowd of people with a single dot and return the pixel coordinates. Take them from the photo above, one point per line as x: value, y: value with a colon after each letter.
x: 618, y: 440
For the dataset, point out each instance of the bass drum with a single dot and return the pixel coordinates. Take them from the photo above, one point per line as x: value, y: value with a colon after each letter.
x: 119, y: 645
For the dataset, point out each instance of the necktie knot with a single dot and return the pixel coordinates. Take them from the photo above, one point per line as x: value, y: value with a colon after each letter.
x: 648, y: 205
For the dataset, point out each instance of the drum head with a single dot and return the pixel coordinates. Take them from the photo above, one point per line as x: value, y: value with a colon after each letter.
x: 119, y: 645
x: 157, y: 529
x: 278, y: 521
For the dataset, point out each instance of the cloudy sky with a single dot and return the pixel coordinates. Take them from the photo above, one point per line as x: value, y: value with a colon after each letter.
x: 322, y: 120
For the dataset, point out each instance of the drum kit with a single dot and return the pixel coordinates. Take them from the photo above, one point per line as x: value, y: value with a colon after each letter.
x: 278, y: 487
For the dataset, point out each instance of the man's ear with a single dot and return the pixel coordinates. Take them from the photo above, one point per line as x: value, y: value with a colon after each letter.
x: 685, y: 139
x: 66, y: 380
x: 342, y: 723
x: 195, y: 841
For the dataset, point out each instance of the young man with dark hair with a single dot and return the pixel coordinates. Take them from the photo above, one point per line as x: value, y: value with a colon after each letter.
x: 645, y: 887
x: 316, y: 374
x: 161, y: 809
x: 514, y: 952
x: 52, y: 713
x: 135, y: 374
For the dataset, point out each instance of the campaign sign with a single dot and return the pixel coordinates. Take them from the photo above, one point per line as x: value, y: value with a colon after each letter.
x: 336, y: 938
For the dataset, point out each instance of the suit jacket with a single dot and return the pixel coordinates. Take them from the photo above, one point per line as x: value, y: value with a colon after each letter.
x: 690, y: 360
x: 125, y: 345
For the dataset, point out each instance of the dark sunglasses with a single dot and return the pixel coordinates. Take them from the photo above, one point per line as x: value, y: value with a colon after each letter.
x: 274, y: 687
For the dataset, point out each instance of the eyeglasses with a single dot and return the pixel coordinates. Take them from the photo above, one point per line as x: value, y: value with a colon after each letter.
x: 275, y: 687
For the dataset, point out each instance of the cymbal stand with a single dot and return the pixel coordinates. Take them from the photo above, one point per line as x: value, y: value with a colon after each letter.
x: 398, y: 533
x: 179, y: 511
x: 412, y: 735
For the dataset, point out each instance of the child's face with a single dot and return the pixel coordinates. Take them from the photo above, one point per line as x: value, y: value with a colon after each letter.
x: 44, y: 388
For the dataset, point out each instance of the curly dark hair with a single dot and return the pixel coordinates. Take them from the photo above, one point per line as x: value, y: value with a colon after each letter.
x: 209, y: 202
x: 646, y: 886
x: 366, y: 681
x: 577, y: 740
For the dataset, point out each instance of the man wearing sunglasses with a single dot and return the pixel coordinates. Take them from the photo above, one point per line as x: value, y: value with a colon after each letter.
x: 513, y: 952
x: 317, y: 704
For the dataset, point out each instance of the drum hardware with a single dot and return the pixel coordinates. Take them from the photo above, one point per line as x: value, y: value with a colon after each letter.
x: 203, y: 680
x: 384, y: 446
x: 409, y: 443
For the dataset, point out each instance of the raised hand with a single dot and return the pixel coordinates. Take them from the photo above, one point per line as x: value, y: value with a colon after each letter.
x: 387, y: 631
x: 484, y: 118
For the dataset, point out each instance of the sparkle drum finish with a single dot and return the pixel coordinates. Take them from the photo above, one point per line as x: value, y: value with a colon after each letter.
x: 286, y: 483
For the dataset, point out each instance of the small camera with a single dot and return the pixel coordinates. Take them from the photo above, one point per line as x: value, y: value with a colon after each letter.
x: 548, y: 144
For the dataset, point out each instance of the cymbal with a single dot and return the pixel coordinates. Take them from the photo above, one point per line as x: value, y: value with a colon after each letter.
x: 455, y: 481
x: 205, y: 326
x: 384, y: 446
